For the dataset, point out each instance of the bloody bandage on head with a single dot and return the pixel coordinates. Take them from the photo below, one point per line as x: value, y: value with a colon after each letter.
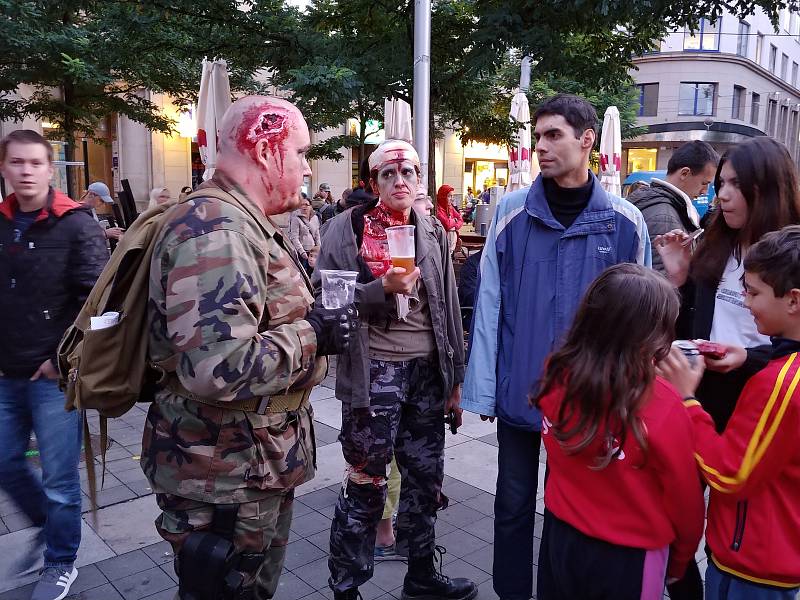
x: 393, y: 151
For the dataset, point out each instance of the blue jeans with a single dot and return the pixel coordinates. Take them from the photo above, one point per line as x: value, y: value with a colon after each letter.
x: 721, y: 586
x: 515, y: 511
x: 54, y: 501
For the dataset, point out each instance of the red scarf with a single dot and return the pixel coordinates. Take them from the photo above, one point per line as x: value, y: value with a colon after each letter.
x: 374, y: 247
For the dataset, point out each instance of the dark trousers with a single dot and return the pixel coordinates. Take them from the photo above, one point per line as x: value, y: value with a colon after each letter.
x: 573, y: 565
x: 515, y: 511
x: 406, y: 420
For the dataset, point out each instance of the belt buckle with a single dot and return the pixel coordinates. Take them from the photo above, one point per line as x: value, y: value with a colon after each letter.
x: 263, y: 405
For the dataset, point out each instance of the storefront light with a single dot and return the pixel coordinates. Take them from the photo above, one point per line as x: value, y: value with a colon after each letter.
x: 187, y: 126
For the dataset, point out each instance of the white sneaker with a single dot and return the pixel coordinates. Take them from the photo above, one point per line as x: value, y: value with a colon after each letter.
x: 54, y: 583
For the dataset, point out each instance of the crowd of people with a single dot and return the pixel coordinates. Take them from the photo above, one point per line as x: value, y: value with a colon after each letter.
x: 577, y: 299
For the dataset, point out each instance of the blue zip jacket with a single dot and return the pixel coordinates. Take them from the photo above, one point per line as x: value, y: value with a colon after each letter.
x: 532, y: 277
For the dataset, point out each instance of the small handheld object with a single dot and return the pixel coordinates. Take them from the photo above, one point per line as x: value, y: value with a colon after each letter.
x: 693, y: 237
x: 689, y: 350
x: 451, y: 419
x: 712, y: 350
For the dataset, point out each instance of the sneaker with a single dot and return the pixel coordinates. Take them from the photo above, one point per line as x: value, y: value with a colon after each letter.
x: 389, y: 552
x: 31, y: 560
x: 54, y: 583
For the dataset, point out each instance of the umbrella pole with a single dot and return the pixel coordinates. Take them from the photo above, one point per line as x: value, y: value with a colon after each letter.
x: 422, y: 83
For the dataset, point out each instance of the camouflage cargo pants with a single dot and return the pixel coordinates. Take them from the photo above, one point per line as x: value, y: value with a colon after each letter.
x: 406, y: 418
x: 261, y: 526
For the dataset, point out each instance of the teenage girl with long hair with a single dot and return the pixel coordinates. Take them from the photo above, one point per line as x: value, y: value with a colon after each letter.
x: 623, y: 503
x: 757, y: 192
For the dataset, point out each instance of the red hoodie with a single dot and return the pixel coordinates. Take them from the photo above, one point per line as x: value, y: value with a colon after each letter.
x: 753, y: 469
x: 446, y: 212
x: 640, y: 501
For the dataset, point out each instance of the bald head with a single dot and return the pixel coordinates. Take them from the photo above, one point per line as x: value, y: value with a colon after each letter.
x: 262, y: 146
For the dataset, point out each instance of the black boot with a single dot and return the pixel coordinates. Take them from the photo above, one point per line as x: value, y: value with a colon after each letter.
x: 425, y: 582
x: 351, y: 594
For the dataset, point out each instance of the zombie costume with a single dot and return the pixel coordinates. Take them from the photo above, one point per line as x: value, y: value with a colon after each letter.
x: 393, y: 385
x: 232, y: 425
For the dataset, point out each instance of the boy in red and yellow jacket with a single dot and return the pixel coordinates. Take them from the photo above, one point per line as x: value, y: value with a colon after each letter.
x: 753, y: 468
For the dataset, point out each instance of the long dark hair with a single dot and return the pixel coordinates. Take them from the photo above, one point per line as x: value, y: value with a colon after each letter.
x: 769, y: 183
x: 626, y: 322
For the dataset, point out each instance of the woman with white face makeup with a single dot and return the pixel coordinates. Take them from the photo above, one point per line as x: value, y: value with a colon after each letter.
x: 397, y: 382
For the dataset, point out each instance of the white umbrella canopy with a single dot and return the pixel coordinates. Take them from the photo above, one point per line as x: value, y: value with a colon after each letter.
x: 519, y: 155
x: 611, y: 152
x: 214, y: 100
x: 397, y: 120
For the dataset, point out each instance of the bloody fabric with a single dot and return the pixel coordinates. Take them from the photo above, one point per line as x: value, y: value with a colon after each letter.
x: 374, y: 246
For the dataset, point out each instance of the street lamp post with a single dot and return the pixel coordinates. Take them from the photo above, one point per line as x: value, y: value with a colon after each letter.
x: 422, y: 83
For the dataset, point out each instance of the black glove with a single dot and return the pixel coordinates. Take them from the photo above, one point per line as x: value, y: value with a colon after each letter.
x: 333, y: 327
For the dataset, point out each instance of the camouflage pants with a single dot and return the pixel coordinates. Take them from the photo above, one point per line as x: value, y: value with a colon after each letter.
x: 406, y: 418
x: 261, y: 526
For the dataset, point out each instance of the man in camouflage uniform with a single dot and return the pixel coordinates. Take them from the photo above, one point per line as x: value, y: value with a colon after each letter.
x: 230, y: 323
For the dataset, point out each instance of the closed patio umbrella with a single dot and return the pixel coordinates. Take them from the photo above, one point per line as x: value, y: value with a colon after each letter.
x: 214, y: 100
x: 397, y: 120
x: 611, y: 152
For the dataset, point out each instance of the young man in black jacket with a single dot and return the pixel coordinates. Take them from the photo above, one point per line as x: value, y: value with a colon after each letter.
x: 51, y: 253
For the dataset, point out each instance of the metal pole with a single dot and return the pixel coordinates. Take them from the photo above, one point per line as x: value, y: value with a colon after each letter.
x: 422, y: 83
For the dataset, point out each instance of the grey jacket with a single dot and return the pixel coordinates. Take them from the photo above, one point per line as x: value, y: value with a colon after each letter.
x: 663, y: 211
x: 340, y: 250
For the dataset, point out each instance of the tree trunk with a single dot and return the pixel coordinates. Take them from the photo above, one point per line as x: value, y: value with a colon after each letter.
x: 68, y: 133
x: 68, y: 126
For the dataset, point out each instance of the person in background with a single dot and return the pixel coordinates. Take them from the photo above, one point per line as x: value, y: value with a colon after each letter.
x: 753, y: 468
x: 97, y: 195
x: 545, y: 245
x: 51, y: 253
x: 448, y: 215
x: 303, y: 236
x: 159, y: 196
x: 667, y: 204
x: 623, y: 504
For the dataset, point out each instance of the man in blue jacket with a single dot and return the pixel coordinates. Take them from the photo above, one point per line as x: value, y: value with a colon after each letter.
x: 545, y: 245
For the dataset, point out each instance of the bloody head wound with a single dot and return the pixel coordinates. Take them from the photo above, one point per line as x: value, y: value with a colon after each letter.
x: 268, y: 122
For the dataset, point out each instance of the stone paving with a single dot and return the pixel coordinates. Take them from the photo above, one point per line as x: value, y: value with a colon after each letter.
x: 122, y: 557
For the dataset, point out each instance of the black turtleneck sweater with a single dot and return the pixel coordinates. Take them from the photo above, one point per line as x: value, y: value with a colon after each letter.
x: 567, y: 203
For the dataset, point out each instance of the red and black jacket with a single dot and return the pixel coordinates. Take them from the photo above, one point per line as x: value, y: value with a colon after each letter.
x: 753, y: 470
x: 45, y: 277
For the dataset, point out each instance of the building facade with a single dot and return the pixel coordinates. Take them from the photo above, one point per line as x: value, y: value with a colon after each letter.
x: 726, y: 82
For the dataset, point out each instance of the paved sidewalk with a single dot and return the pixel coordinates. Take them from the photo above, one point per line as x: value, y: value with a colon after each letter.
x: 122, y: 557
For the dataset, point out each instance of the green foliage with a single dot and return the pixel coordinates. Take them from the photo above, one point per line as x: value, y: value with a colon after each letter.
x: 83, y: 60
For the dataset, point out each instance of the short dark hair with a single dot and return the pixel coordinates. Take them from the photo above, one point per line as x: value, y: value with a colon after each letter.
x: 776, y: 259
x: 25, y: 136
x: 695, y: 155
x: 577, y: 111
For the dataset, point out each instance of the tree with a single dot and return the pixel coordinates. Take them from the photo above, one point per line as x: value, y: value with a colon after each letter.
x: 349, y: 57
x: 88, y: 59
x: 353, y: 54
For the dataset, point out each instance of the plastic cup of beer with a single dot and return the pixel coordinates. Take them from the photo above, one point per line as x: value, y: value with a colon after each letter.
x: 338, y: 288
x: 401, y: 246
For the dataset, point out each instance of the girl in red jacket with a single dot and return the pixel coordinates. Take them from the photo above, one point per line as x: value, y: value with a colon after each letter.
x: 449, y: 215
x: 623, y: 503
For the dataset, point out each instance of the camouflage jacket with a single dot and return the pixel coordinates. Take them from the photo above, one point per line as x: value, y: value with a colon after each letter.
x: 226, y: 307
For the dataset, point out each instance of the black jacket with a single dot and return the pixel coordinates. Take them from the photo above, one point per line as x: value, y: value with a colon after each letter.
x: 663, y: 211
x: 45, y: 277
x: 718, y: 392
